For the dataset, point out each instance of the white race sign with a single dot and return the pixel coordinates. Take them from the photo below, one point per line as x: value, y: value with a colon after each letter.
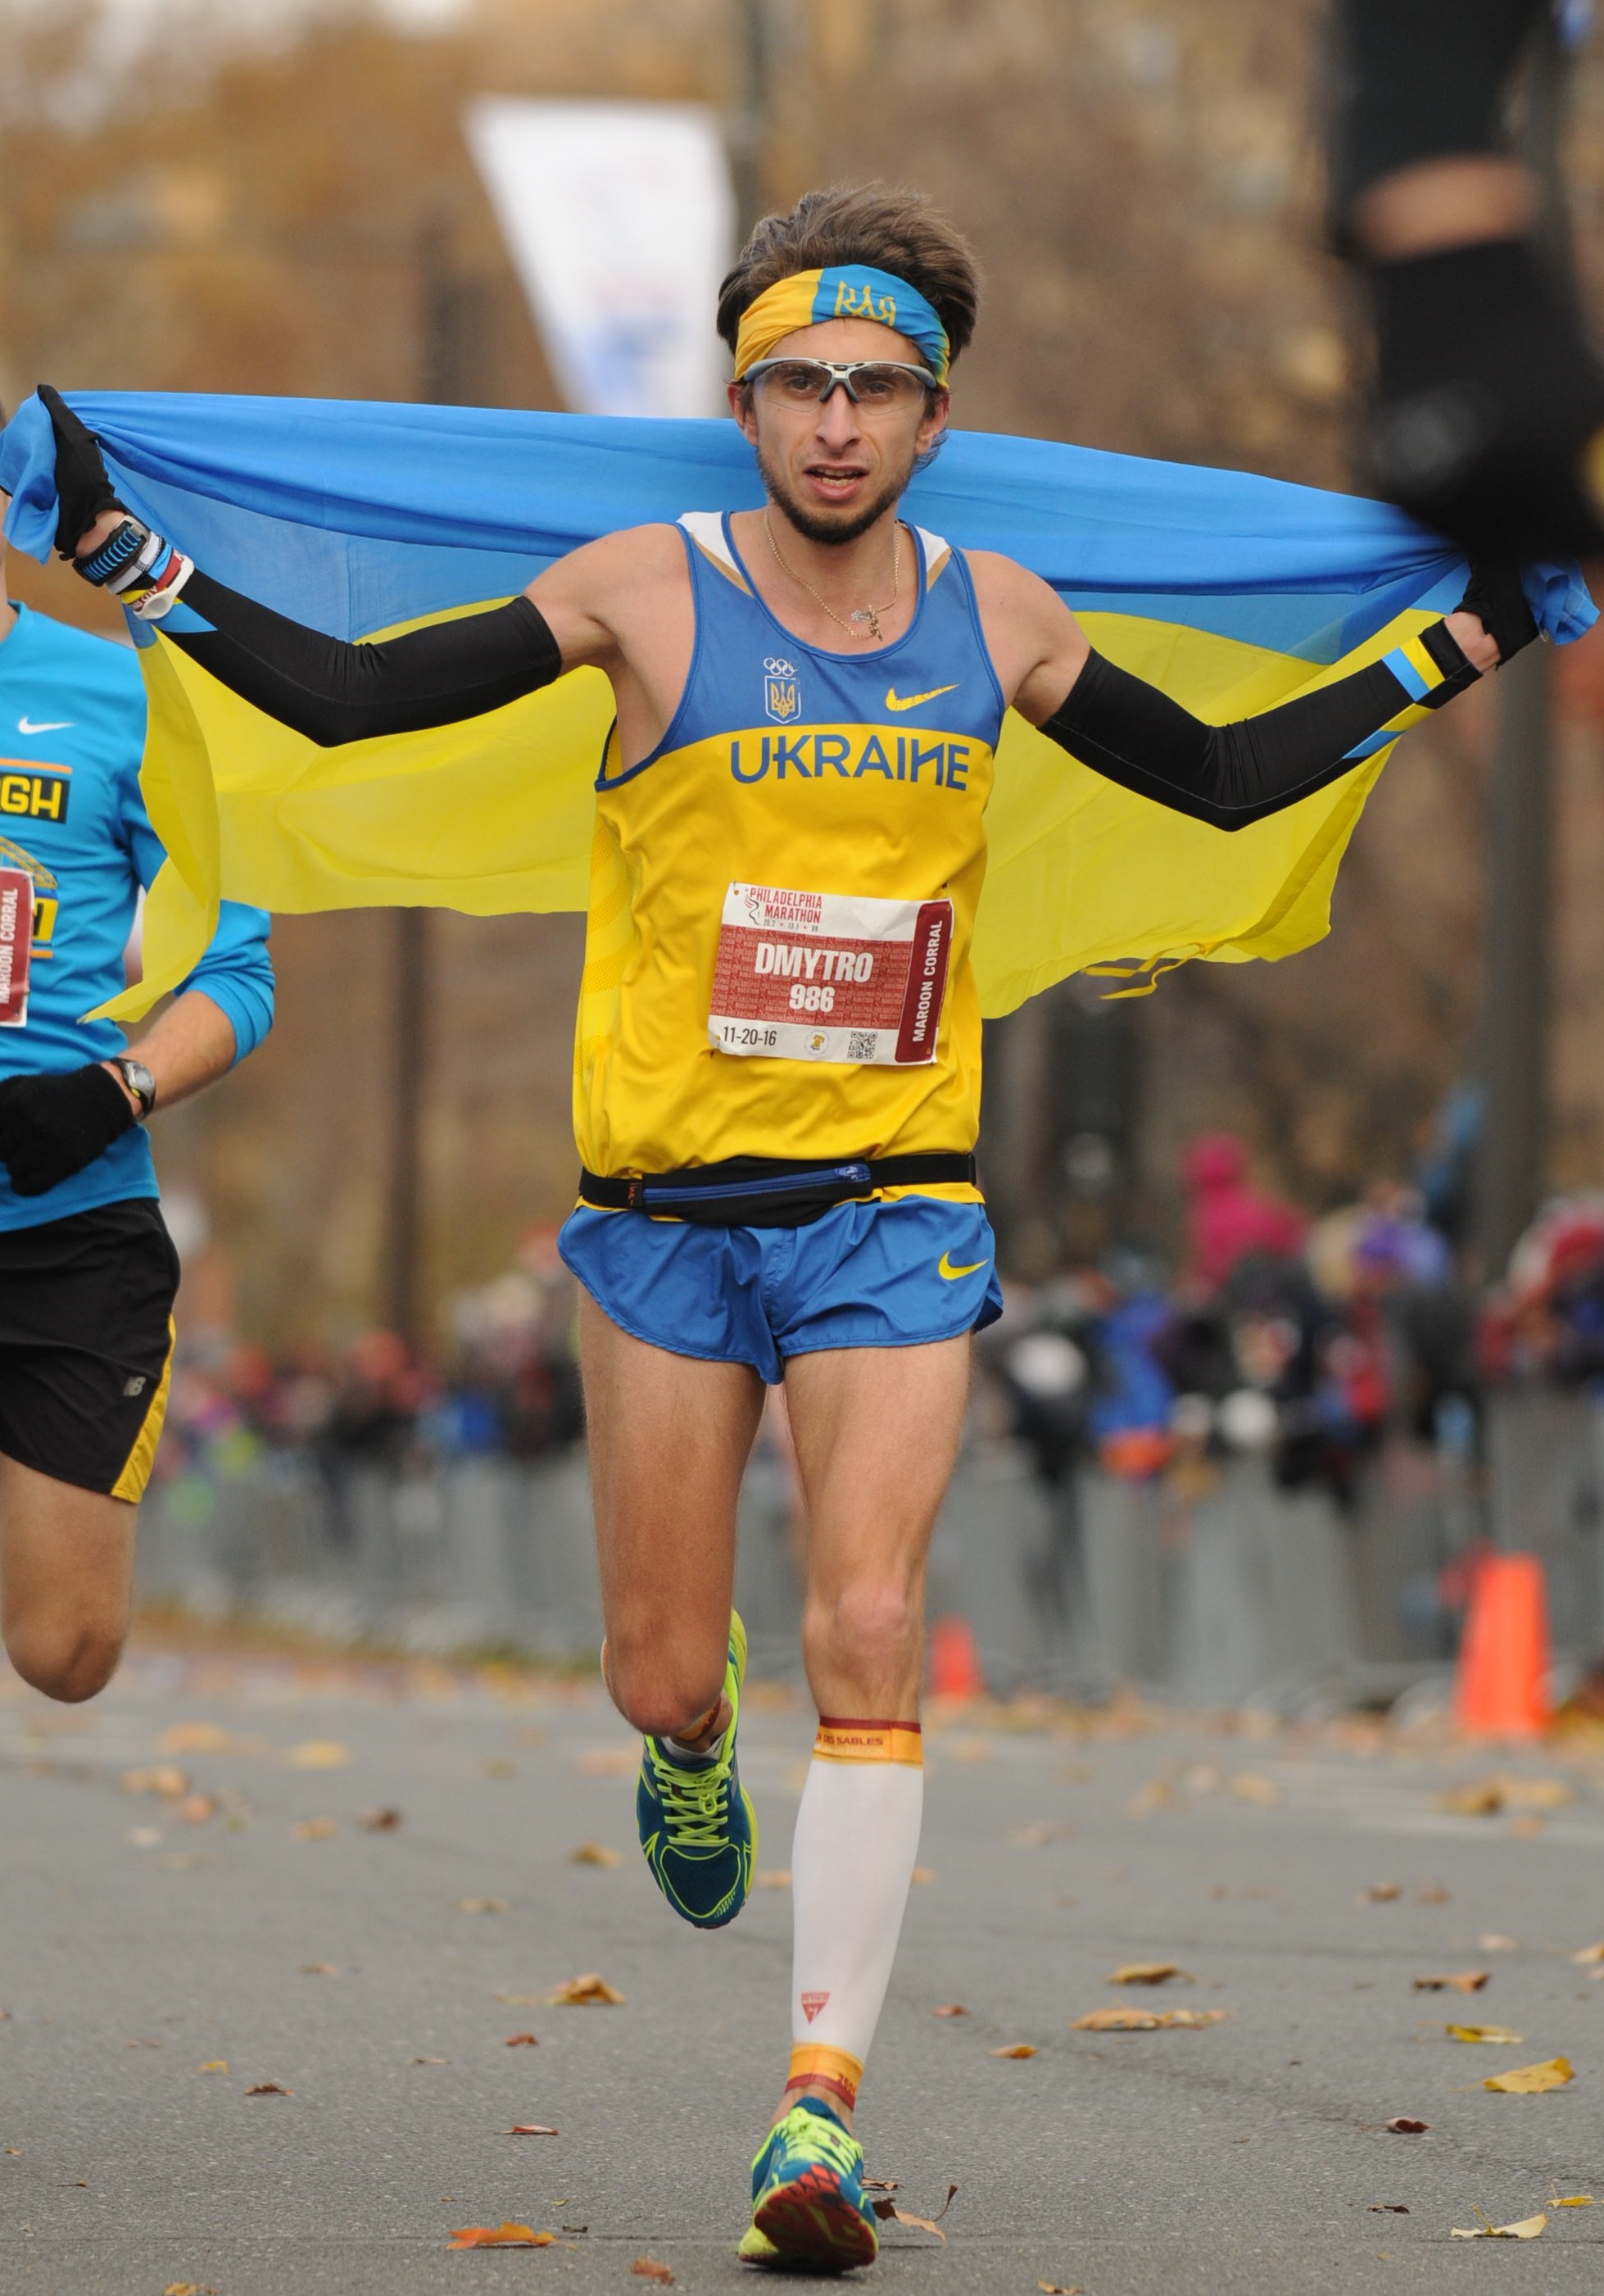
x: 620, y: 221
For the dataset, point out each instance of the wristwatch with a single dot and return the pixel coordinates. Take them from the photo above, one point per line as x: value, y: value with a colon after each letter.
x: 140, y: 1082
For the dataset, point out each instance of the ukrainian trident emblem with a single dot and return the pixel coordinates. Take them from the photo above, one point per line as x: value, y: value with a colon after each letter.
x: 781, y: 690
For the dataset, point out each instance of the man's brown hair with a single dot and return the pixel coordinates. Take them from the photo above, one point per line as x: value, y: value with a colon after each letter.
x: 894, y: 230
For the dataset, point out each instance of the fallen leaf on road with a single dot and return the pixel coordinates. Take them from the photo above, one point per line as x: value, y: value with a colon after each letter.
x: 647, y: 2267
x: 521, y: 2041
x: 592, y: 1853
x: 505, y: 2235
x: 1433, y: 1894
x: 522, y: 2000
x: 498, y: 1766
x: 187, y: 2288
x: 1129, y: 2018
x: 1015, y: 2049
x: 268, y: 2088
x: 922, y: 1874
x: 315, y: 1829
x: 378, y: 1821
x: 1527, y: 1828
x: 158, y: 1778
x: 772, y: 1877
x: 1147, y: 1972
x: 1499, y: 2036
x: 1387, y: 2209
x: 949, y: 2009
x: 1571, y: 2201
x: 1157, y: 1795
x: 429, y: 2060
x: 1460, y: 1980
x: 880, y: 2183
x: 144, y: 1837
x: 213, y: 2065
x: 1404, y: 2127
x: 1482, y: 1800
x: 318, y: 1754
x: 888, y: 2211
x: 1531, y: 2080
x: 1589, y: 1953
x: 1037, y: 1836
x: 1264, y: 1792
x: 197, y: 1809
x: 530, y: 2129
x: 1380, y: 1893
x: 1494, y: 1941
x: 1527, y: 2228
x: 612, y: 1762
x: 1060, y: 2288
x: 483, y: 1905
x: 193, y: 1738
x: 318, y: 1968
x: 588, y: 1992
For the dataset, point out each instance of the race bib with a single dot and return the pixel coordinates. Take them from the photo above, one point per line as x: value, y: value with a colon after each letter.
x: 16, y: 946
x: 829, y: 977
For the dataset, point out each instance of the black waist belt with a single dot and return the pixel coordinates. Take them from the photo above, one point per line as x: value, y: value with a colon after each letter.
x: 767, y: 1191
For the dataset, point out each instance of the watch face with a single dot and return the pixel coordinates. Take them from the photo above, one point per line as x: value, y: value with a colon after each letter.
x: 139, y: 1080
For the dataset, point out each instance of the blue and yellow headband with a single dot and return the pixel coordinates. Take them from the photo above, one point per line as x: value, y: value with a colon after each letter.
x: 846, y: 290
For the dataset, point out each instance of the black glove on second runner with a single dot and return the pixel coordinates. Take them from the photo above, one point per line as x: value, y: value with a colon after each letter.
x: 84, y: 486
x: 52, y: 1126
x: 1494, y: 595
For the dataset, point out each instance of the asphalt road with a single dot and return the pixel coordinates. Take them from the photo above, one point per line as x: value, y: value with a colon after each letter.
x: 141, y: 1944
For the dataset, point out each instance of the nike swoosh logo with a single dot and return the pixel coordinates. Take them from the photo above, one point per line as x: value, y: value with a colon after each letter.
x: 896, y: 700
x: 946, y: 1268
x: 61, y: 724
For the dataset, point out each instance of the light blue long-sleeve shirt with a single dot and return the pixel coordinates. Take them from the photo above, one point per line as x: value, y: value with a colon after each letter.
x: 72, y: 726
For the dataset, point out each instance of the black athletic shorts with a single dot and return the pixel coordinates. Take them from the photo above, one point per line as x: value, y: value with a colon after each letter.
x: 86, y: 1344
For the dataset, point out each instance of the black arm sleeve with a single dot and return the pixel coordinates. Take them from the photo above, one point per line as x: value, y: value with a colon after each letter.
x: 333, y: 692
x: 1229, y: 775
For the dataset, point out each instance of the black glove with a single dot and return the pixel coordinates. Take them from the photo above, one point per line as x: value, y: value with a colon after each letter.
x: 52, y: 1126
x: 1494, y: 595
x: 84, y: 486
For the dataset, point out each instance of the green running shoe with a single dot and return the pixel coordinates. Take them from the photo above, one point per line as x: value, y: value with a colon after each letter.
x: 808, y: 2205
x: 697, y: 1823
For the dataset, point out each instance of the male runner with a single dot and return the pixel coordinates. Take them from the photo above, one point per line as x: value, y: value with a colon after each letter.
x: 778, y: 1058
x: 87, y: 1272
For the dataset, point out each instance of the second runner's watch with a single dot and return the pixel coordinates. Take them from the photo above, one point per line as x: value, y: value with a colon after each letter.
x: 140, y: 1082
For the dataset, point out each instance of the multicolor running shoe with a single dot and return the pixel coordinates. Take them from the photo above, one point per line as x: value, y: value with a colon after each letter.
x: 808, y: 2205
x: 697, y: 1823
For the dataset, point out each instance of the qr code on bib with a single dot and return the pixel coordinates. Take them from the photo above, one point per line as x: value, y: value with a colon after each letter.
x: 860, y: 1045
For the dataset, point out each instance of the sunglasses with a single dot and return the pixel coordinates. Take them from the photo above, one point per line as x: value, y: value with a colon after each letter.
x: 877, y: 385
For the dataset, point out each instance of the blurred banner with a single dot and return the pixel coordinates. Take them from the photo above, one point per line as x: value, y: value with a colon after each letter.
x: 620, y: 220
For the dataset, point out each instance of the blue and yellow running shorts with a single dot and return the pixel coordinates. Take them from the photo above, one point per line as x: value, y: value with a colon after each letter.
x: 881, y: 1275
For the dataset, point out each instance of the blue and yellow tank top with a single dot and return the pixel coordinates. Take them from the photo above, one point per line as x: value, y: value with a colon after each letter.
x: 782, y: 895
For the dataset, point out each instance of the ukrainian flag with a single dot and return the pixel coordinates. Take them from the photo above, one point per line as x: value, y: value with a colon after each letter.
x: 1230, y: 592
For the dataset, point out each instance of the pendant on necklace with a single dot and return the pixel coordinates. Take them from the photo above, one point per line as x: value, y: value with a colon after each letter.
x: 866, y: 614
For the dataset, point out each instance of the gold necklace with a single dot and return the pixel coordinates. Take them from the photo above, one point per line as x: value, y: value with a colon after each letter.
x: 870, y: 614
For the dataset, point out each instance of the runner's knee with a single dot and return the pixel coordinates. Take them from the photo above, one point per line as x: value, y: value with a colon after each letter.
x: 660, y: 1690
x: 68, y: 1659
x: 867, y: 1624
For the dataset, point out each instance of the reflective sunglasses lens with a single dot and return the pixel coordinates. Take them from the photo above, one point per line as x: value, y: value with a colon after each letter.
x: 886, y: 386
x: 796, y: 379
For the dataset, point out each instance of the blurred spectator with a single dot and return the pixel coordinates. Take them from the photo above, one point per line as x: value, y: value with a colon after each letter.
x: 1226, y: 1218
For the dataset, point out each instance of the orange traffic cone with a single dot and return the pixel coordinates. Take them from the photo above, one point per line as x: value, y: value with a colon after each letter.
x: 954, y: 1659
x: 1501, y: 1689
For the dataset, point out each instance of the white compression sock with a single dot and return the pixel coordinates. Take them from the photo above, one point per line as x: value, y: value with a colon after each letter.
x: 858, y: 1835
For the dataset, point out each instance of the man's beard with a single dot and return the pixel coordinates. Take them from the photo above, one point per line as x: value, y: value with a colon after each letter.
x: 818, y: 525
